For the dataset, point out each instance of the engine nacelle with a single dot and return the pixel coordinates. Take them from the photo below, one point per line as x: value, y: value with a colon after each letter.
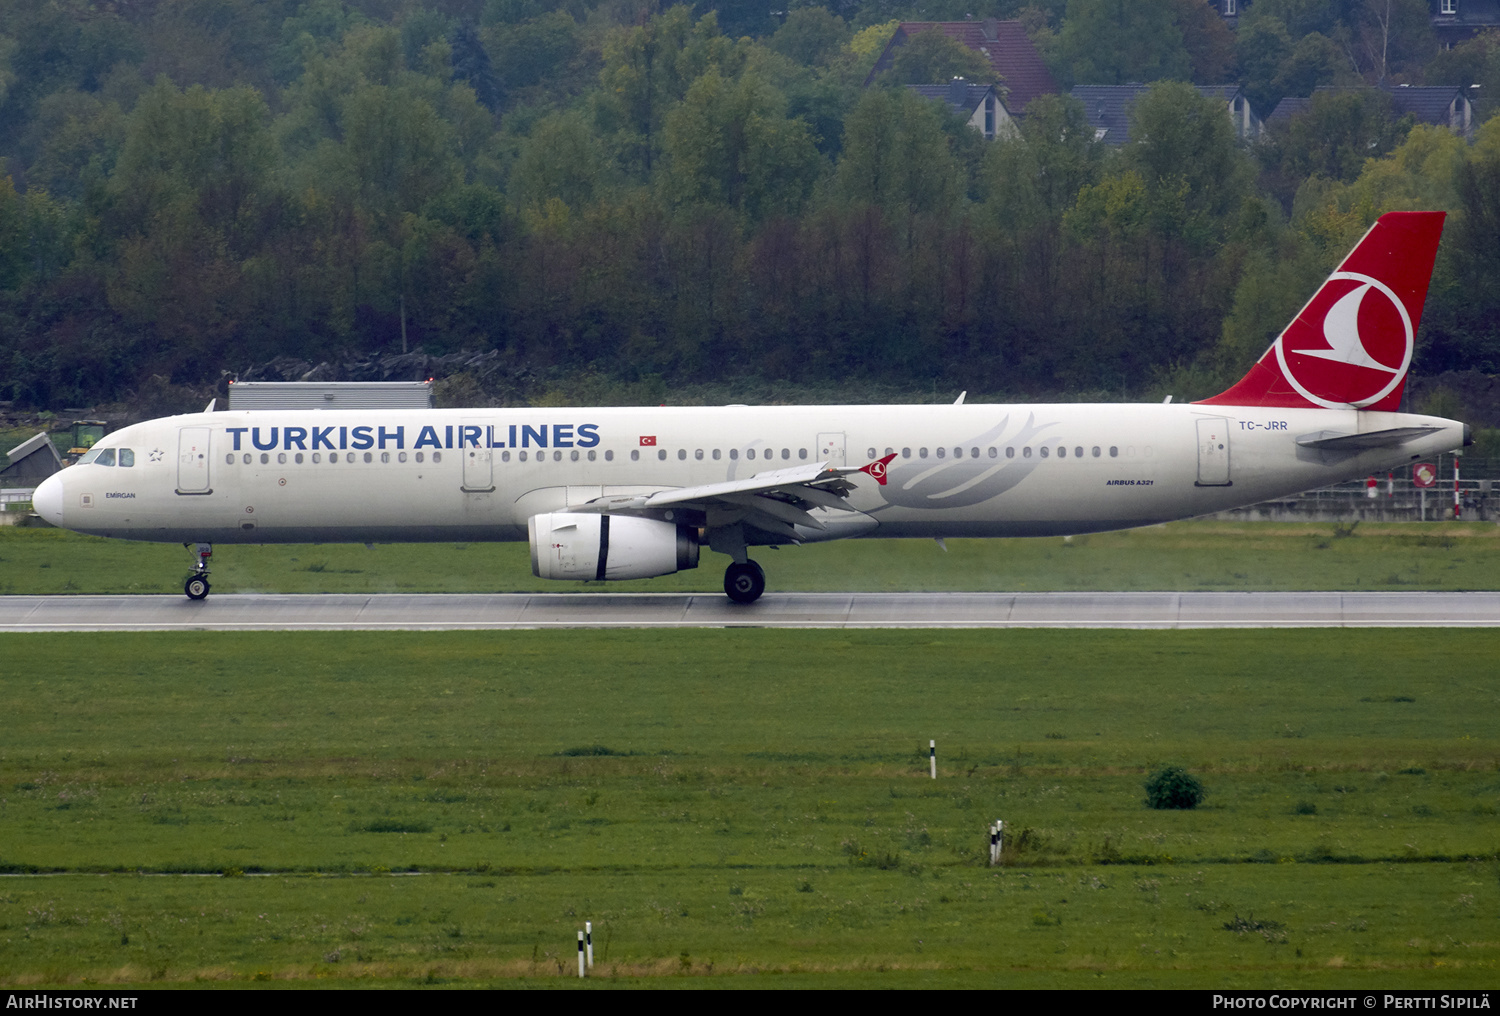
x: 575, y: 545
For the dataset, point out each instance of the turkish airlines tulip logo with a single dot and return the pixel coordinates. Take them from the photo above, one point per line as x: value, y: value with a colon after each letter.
x: 1350, y: 346
x: 877, y: 468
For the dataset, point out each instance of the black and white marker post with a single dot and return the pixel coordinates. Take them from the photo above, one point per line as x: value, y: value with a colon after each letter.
x: 997, y: 841
x: 588, y: 941
x: 580, y: 954
x: 932, y: 757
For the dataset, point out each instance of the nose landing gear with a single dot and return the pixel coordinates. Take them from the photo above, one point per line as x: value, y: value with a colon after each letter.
x: 196, y: 587
x: 744, y: 582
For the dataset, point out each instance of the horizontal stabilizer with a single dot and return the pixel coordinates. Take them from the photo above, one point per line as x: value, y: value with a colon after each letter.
x: 1332, y: 441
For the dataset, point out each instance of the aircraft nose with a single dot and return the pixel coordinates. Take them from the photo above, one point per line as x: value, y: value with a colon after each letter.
x: 47, y: 501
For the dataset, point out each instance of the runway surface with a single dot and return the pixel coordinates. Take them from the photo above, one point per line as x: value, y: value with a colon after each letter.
x: 438, y: 612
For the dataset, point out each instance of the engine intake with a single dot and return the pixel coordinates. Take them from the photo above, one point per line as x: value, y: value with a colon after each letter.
x: 575, y: 545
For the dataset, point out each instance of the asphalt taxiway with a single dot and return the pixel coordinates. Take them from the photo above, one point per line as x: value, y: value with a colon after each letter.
x: 440, y: 612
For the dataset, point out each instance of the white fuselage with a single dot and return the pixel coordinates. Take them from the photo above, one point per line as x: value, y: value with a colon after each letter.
x: 479, y: 474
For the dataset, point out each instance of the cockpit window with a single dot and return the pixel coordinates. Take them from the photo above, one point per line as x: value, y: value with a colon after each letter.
x: 127, y: 456
x: 99, y: 457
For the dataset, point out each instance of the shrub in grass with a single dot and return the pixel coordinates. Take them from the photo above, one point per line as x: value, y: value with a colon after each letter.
x: 1173, y: 787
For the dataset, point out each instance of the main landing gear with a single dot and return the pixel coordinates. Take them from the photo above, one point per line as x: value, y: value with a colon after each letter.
x: 744, y: 582
x: 197, y: 585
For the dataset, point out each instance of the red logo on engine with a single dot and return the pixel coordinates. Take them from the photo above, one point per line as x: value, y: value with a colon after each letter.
x: 1351, y: 344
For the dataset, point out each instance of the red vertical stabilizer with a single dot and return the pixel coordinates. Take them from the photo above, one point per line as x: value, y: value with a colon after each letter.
x: 1351, y: 345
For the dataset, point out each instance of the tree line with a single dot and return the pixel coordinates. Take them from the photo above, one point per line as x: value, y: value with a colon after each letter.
x: 692, y: 194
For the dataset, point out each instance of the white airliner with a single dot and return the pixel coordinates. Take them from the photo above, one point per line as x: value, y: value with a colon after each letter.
x: 632, y: 493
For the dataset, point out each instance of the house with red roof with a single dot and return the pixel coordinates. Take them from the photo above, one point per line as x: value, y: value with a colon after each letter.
x: 1022, y: 73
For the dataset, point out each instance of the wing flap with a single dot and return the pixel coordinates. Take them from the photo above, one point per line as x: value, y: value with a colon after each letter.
x: 782, y: 480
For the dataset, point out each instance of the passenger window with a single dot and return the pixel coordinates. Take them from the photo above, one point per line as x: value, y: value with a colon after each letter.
x: 504, y: 456
x: 906, y: 453
x: 369, y: 457
x: 716, y: 455
x: 1096, y: 451
x: 557, y: 456
x: 229, y: 458
x: 332, y: 457
x: 661, y: 454
x: 400, y: 456
x: 609, y: 456
x: 1114, y: 452
x: 437, y: 456
x: 106, y: 457
x: 698, y: 454
x: 1010, y: 452
x: 682, y: 455
x: 1078, y: 452
x: 993, y: 452
x: 385, y: 457
x: 1026, y: 452
x: 281, y: 458
x: 318, y: 457
x: 921, y: 453
x: 299, y: 458
x: 635, y: 455
x: 958, y: 453
x: 519, y: 455
x: 941, y: 452
x: 801, y: 453
x: 786, y: 453
x: 591, y: 455
x: 1043, y: 451
x: 1062, y: 453
x: 573, y: 456
x: 265, y: 457
x: 127, y: 457
x: 870, y: 454
x: 890, y: 451
x: 749, y: 453
x: 973, y: 453
x: 734, y: 453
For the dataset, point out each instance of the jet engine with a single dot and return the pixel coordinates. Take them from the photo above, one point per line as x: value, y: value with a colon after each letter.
x: 575, y: 545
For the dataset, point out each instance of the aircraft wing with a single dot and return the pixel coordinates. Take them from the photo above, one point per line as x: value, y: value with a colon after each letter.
x: 776, y: 500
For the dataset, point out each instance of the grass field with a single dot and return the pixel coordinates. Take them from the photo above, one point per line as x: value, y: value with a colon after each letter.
x: 1181, y: 556
x: 750, y: 808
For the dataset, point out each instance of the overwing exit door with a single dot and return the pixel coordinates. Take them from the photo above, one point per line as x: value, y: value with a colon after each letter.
x: 831, y: 448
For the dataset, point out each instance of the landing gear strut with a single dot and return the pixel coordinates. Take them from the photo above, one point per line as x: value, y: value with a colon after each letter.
x: 743, y: 583
x: 197, y: 585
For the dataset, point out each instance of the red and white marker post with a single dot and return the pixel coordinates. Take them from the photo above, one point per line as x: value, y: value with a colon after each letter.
x: 1458, y: 508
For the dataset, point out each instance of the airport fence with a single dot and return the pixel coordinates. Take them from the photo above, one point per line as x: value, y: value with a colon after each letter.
x: 1396, y: 498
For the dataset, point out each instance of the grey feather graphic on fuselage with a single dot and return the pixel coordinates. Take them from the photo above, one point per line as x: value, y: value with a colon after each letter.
x: 959, y: 482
